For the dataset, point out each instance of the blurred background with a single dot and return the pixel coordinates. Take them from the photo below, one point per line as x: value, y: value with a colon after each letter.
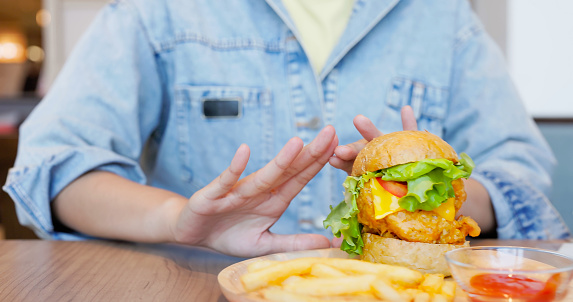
x: 536, y: 37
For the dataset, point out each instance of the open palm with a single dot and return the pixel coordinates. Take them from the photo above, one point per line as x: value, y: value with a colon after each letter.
x: 234, y: 216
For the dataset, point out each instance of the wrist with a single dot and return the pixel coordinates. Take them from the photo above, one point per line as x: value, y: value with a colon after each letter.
x: 165, y: 221
x: 478, y: 205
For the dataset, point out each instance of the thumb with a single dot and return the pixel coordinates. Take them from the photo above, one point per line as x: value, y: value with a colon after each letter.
x: 337, y: 241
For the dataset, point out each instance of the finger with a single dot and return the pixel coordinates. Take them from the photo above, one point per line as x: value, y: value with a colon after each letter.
x: 336, y: 242
x: 275, y: 243
x: 343, y: 165
x: 408, y: 118
x: 365, y: 126
x: 226, y: 180
x: 292, y: 185
x: 323, y: 145
x: 263, y: 179
x: 344, y: 156
x: 315, y: 154
x: 349, y: 152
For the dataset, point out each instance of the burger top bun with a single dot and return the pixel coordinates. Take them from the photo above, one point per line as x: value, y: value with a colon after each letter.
x: 401, y: 147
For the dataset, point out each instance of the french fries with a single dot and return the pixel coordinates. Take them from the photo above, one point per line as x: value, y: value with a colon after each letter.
x: 326, y: 271
x: 331, y: 286
x: 262, y: 277
x: 385, y: 291
x: 334, y: 279
x: 258, y: 265
x: 432, y: 283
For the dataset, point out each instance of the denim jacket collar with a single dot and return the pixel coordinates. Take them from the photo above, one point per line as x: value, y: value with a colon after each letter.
x: 365, y: 15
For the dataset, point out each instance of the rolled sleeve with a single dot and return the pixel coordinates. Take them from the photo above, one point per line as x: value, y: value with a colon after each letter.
x: 522, y: 212
x: 33, y: 187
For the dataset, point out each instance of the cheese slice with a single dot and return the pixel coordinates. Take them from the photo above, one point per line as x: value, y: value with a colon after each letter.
x: 385, y: 203
x: 446, y: 210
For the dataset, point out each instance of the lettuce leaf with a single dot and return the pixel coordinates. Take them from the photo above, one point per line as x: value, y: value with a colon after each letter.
x: 414, y: 170
x: 429, y: 185
x: 429, y: 181
x: 343, y: 221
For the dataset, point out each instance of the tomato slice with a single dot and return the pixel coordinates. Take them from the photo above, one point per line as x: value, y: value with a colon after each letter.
x: 396, y: 188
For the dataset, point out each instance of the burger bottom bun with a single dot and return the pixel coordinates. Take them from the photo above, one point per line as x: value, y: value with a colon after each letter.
x: 424, y: 257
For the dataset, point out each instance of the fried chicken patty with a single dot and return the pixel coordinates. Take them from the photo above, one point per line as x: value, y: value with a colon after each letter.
x: 418, y: 226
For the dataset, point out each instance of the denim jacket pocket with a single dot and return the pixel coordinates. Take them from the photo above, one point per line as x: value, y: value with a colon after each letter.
x: 428, y: 102
x: 207, y: 141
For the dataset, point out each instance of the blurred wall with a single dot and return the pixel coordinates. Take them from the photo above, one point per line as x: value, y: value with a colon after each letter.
x: 537, y: 39
x: 70, y: 18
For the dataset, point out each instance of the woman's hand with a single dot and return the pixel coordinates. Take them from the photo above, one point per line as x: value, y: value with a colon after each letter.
x: 234, y: 216
x: 344, y: 155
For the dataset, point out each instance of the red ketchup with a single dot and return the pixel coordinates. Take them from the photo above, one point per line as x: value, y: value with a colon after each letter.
x: 518, y: 287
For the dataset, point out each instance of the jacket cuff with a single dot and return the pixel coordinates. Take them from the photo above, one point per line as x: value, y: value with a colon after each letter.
x: 32, y: 188
x: 522, y: 211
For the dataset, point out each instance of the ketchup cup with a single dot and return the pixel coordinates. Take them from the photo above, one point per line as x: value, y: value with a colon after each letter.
x: 517, y: 274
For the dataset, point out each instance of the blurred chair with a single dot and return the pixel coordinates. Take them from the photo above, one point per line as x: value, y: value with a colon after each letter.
x: 12, y: 228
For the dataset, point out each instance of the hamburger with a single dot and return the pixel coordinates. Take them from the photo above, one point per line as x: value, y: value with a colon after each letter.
x: 401, y: 200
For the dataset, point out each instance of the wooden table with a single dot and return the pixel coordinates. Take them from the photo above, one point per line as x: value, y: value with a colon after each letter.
x: 37, y: 270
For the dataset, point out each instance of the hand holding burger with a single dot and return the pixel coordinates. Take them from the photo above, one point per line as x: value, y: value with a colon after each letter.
x: 401, y: 202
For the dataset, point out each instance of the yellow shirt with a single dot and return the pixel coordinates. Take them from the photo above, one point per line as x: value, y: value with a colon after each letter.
x: 320, y: 24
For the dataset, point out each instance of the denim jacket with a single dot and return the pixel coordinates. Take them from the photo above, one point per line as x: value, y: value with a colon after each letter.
x: 164, y: 92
